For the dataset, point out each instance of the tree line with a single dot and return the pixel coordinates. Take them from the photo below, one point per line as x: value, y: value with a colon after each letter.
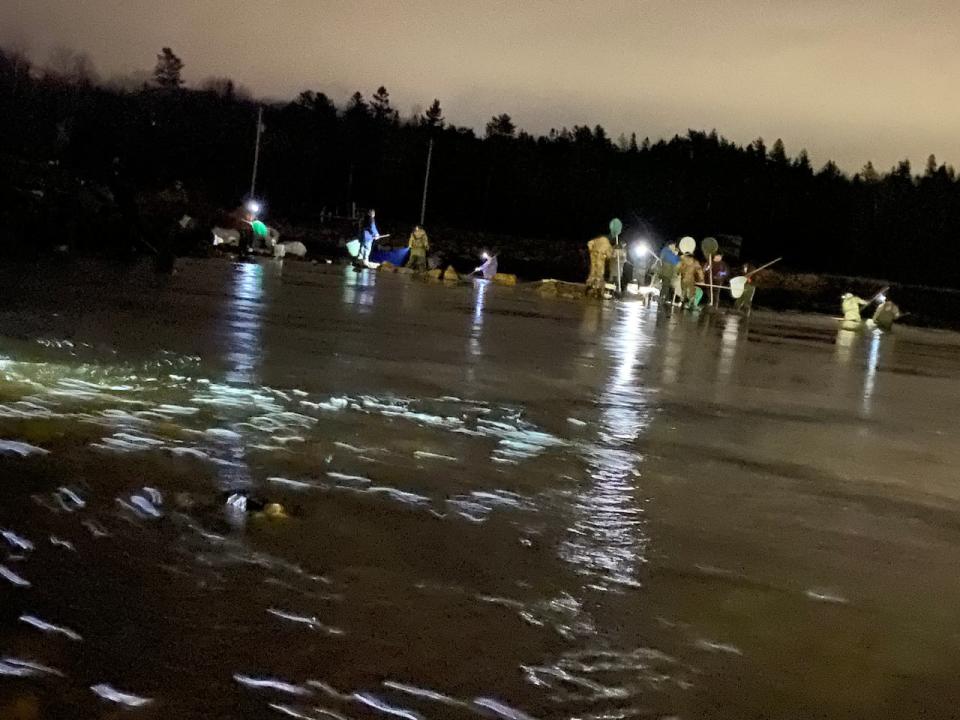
x: 564, y: 185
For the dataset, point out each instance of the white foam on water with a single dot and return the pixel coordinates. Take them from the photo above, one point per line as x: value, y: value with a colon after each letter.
x: 50, y: 627
x: 138, y: 439
x: 16, y: 540
x: 13, y: 578
x: 711, y: 646
x: 222, y: 434
x: 62, y: 543
x: 96, y: 529
x: 401, y: 495
x: 65, y: 492
x: 298, y: 484
x: 290, y: 712
x: 145, y: 506
x: 108, y: 692
x: 504, y: 711
x: 21, y: 448
x: 826, y: 596
x: 178, y: 409
x: 15, y: 667
x: 271, y: 684
x: 343, y: 477
x: 310, y: 622
x: 378, y: 704
x: 425, y: 455
x: 189, y: 452
x: 424, y: 693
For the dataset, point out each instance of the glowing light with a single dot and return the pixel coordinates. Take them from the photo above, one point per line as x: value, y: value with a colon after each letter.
x: 253, y: 207
x: 485, y: 255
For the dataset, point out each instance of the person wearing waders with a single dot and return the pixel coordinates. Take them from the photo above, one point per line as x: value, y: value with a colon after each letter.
x: 718, y: 272
x: 887, y: 313
x: 669, y: 261
x: 600, y: 251
x: 418, y: 243
x: 744, y: 303
x: 690, y: 274
x: 852, y: 305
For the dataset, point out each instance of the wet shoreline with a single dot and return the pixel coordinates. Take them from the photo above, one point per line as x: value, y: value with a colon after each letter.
x: 500, y: 505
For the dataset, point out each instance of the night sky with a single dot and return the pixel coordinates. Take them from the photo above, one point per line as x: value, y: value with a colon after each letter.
x: 853, y: 81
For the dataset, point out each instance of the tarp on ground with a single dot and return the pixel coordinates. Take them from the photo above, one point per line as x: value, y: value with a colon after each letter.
x: 396, y: 257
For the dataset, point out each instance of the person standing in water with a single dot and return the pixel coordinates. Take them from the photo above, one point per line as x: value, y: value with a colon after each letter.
x: 600, y: 251
x: 886, y: 314
x: 369, y: 235
x: 691, y: 273
x: 718, y: 273
x: 852, y: 305
x: 667, y: 272
x: 418, y: 243
x: 744, y: 303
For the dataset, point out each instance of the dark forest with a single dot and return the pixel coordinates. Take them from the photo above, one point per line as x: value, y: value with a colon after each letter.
x: 565, y: 185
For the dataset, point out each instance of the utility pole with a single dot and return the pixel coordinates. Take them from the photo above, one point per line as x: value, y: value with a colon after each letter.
x: 426, y: 181
x: 256, y: 151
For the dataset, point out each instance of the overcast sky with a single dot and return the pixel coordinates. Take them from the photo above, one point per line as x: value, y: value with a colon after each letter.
x: 849, y: 80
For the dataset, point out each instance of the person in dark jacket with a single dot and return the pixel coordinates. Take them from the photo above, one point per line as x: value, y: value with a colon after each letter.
x: 717, y: 273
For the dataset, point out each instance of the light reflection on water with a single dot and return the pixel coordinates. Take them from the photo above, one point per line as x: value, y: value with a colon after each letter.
x: 606, y: 540
x: 728, y: 348
x: 443, y: 557
x: 359, y: 289
x: 244, y: 319
x: 867, y: 344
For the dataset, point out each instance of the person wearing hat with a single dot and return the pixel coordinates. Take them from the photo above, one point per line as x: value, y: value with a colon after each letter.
x: 852, y: 306
x: 667, y: 271
x: 418, y: 243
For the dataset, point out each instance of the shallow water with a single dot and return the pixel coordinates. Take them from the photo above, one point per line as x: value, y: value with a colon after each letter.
x: 500, y: 506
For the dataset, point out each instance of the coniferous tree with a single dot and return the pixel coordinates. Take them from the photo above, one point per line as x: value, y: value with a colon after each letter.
x: 167, y: 72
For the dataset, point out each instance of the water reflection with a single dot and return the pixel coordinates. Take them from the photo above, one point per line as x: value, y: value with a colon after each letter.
x: 474, y: 344
x: 673, y: 347
x: 844, y: 345
x: 728, y: 348
x: 359, y: 289
x: 607, y: 542
x: 476, y: 327
x: 244, y: 321
x: 870, y: 377
x: 847, y: 347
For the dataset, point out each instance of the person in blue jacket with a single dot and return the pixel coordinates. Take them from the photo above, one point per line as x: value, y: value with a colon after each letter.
x: 668, y: 270
x: 370, y: 233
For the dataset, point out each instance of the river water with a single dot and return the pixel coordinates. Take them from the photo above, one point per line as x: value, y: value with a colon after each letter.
x: 498, y: 505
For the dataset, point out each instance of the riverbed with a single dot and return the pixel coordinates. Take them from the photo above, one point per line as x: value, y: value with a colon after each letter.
x: 497, y: 505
